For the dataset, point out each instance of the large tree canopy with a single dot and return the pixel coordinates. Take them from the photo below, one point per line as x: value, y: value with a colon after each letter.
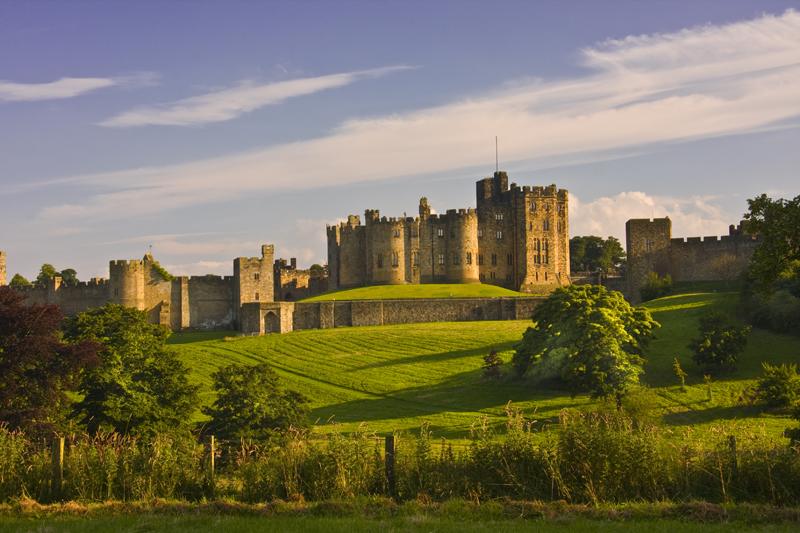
x: 140, y: 386
x: 593, y: 253
x: 777, y: 222
x: 36, y: 366
x: 589, y: 337
x: 250, y: 404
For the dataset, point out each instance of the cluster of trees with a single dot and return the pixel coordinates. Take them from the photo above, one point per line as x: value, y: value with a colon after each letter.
x: 109, y: 369
x: 595, y: 254
x: 69, y: 277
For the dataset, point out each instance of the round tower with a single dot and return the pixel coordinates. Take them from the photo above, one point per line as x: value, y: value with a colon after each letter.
x: 387, y: 249
x: 462, y: 246
x: 126, y: 283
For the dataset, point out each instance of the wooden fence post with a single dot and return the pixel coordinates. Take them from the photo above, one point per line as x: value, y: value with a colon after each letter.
x: 211, y: 462
x: 57, y: 481
x: 390, y: 459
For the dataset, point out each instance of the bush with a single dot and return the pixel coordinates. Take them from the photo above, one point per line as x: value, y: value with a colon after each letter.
x: 656, y: 286
x: 779, y: 387
x: 719, y: 344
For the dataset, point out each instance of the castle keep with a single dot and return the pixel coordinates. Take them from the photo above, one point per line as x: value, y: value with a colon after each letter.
x: 516, y: 237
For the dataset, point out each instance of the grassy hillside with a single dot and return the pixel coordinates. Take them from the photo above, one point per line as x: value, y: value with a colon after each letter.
x: 396, y: 377
x: 403, y: 292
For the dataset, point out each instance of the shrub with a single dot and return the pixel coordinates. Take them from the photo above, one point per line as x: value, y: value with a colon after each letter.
x: 719, y: 344
x: 779, y: 387
x: 491, y: 365
x: 656, y: 286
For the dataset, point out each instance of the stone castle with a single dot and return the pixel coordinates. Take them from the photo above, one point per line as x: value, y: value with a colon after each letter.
x: 517, y: 237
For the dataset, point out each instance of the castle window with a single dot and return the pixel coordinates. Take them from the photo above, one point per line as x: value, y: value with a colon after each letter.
x: 545, y: 276
x: 648, y: 245
x: 530, y: 226
x: 414, y: 258
x: 469, y: 258
x: 480, y: 233
x: 494, y: 259
x: 491, y: 275
x: 441, y: 259
x: 482, y: 277
x: 510, y: 259
x: 395, y: 259
x: 499, y: 234
x: 560, y: 209
x: 546, y: 252
x: 440, y: 232
x: 256, y: 276
x: 480, y: 259
x: 498, y: 216
x: 413, y: 232
x: 537, y: 276
x: 508, y: 277
x: 396, y: 232
x: 533, y: 207
x: 559, y: 226
x: 546, y: 225
x: 379, y: 260
x: 256, y: 298
x: 116, y: 292
x: 455, y: 258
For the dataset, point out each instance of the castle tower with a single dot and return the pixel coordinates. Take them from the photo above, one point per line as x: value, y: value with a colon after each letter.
x: 648, y: 248
x: 127, y: 283
x: 385, y: 249
x: 253, y: 278
x: 2, y: 268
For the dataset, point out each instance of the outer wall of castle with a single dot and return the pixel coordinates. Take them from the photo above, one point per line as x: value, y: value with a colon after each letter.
x: 516, y: 237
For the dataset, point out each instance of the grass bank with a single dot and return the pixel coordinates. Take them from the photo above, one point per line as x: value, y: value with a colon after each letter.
x: 406, y: 292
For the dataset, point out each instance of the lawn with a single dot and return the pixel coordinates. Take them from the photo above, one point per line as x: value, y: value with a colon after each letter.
x: 397, y: 377
x: 405, y: 292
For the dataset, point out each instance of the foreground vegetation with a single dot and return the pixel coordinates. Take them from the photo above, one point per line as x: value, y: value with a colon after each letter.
x: 379, y: 514
x: 428, y: 290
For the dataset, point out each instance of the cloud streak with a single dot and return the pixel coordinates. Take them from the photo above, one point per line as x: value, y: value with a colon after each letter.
x: 67, y: 87
x: 693, y: 84
x: 228, y: 104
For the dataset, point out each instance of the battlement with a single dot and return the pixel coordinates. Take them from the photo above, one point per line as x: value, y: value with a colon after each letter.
x: 212, y: 278
x: 126, y: 263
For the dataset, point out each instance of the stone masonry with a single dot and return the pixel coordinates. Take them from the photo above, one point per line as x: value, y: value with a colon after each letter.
x: 516, y: 237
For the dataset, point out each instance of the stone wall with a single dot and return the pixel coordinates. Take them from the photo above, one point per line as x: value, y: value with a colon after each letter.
x: 210, y: 302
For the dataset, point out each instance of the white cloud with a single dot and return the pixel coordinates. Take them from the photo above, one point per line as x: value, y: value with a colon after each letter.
x: 696, y: 83
x: 693, y: 216
x: 230, y: 103
x: 67, y: 87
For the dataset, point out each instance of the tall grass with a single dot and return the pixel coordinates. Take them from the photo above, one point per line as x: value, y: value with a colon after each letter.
x: 595, y: 457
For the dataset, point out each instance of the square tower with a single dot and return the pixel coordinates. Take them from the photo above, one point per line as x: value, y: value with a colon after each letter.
x: 253, y: 279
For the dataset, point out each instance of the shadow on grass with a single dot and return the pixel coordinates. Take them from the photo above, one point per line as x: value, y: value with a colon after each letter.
x: 733, y: 412
x: 441, y: 356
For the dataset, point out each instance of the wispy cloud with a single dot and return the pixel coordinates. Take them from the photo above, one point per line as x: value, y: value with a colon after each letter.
x: 67, y: 87
x: 693, y: 84
x: 227, y: 104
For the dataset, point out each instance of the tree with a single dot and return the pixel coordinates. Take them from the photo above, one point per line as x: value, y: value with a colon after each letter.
x: 777, y: 222
x: 589, y: 337
x: 251, y: 405
x: 655, y: 286
x: 491, y: 365
x: 680, y: 373
x: 593, y: 253
x: 46, y: 273
x: 316, y: 270
x: 69, y: 277
x: 139, y: 386
x: 779, y: 387
x: 36, y: 366
x: 719, y: 344
x: 19, y: 282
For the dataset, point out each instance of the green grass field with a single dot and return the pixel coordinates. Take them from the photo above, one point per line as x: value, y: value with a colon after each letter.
x: 405, y: 292
x: 397, y: 377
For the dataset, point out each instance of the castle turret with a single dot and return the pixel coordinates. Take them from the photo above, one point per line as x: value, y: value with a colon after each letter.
x: 253, y: 278
x: 648, y: 247
x: 127, y: 283
x: 386, y: 256
x: 2, y: 268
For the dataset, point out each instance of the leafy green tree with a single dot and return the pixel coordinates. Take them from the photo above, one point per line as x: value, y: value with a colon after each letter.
x: 492, y: 364
x: 36, y: 366
x: 719, y: 344
x: 69, y: 277
x: 777, y: 222
x: 19, y: 282
x: 779, y: 386
x: 317, y: 270
x: 680, y: 373
x: 139, y: 386
x: 592, y: 253
x: 589, y: 337
x: 250, y: 404
x: 46, y: 273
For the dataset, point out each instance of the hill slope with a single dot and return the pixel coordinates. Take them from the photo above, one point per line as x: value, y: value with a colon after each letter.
x: 428, y: 290
x: 396, y: 377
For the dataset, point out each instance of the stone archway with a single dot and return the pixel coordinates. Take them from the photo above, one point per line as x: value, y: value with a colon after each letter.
x: 272, y: 322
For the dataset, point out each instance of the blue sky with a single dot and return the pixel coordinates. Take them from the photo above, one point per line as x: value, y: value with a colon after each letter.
x: 204, y: 129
